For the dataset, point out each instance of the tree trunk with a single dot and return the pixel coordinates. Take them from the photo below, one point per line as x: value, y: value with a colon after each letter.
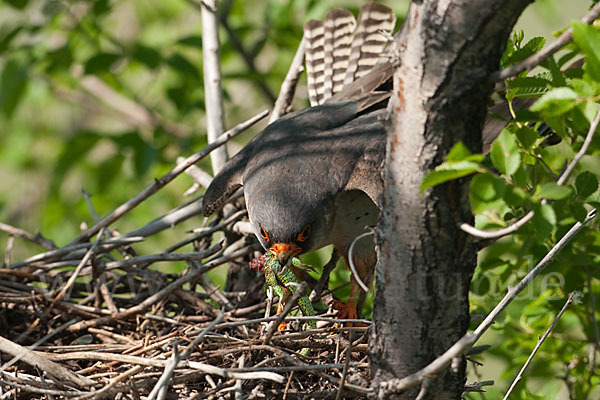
x: 447, y: 50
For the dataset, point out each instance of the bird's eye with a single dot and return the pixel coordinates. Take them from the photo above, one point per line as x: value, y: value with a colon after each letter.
x: 305, y: 234
x: 264, y: 233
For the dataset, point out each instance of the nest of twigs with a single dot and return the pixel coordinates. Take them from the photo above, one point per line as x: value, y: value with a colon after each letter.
x: 91, y: 320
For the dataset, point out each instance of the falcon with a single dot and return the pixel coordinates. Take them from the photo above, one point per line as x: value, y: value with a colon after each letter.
x: 314, y: 177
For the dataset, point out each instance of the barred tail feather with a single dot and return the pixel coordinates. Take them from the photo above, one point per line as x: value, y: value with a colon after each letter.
x: 368, y: 42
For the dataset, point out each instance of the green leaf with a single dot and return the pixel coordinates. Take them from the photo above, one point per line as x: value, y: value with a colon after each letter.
x: 544, y: 220
x: 588, y: 40
x: 19, y: 4
x: 73, y: 152
x: 505, y: 153
x: 577, y: 210
x: 192, y: 41
x: 485, y: 191
x: 558, y: 78
x: 529, y: 86
x: 60, y: 59
x: 515, y: 196
x: 7, y: 38
x: 532, y: 46
x: 100, y: 62
x: 585, y: 87
x: 148, y: 56
x: 12, y: 86
x: 527, y: 137
x: 448, y: 171
x: 556, y: 102
x: 183, y: 65
x: 101, y: 7
x: 586, y: 184
x: 553, y: 191
x: 458, y: 152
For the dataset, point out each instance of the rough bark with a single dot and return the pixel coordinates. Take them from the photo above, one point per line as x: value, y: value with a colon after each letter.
x: 448, y: 49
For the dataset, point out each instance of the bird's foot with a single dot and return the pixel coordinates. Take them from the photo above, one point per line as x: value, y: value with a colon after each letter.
x: 282, y: 325
x: 346, y: 311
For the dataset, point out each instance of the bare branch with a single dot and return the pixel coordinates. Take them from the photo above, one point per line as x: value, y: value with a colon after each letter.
x: 537, y: 346
x: 37, y: 239
x: 168, y: 177
x: 215, y: 124
x: 515, y: 290
x: 288, y: 307
x: 37, y: 359
x: 586, y: 143
x: 288, y: 87
x: 176, y: 358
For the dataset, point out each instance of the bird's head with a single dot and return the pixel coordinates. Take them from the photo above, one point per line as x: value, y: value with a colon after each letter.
x: 288, y: 225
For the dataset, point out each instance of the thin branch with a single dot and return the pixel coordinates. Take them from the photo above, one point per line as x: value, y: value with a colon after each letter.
x: 74, y: 276
x: 514, y: 291
x: 36, y: 344
x: 37, y: 239
x: 546, y: 52
x: 168, y: 177
x: 40, y: 360
x: 537, y: 346
x: 346, y: 365
x: 155, y: 298
x: 105, y: 245
x: 152, y: 258
x: 176, y: 358
x: 170, y: 219
x: 198, y: 175
x: 362, y: 285
x: 288, y: 87
x: 215, y: 124
x: 481, y: 234
x: 586, y: 144
x: 288, y: 307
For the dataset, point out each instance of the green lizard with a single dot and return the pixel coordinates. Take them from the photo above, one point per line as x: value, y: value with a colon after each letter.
x: 283, y: 281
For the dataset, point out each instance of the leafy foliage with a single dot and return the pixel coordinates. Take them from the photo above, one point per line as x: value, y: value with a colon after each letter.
x: 103, y: 96
x: 520, y: 175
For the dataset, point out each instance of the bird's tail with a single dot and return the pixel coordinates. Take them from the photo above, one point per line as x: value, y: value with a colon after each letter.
x: 339, y: 50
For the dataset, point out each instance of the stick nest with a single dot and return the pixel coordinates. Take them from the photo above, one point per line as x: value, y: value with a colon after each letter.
x: 91, y: 321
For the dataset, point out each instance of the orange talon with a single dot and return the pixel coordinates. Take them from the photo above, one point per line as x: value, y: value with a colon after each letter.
x: 282, y: 325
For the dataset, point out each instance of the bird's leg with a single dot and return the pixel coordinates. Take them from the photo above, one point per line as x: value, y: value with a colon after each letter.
x: 348, y: 310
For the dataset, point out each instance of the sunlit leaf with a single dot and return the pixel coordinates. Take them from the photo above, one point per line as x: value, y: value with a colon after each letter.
x: 485, y: 192
x: 448, y: 171
x: 556, y: 101
x: 586, y: 183
x: 12, y: 86
x: 505, y: 153
x: 553, y: 191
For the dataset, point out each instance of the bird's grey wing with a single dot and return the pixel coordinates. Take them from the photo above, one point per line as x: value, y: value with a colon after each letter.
x: 227, y: 181
x: 366, y: 164
x: 309, y: 150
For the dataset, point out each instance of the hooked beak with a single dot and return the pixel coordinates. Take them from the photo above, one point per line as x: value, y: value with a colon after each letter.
x: 283, y: 252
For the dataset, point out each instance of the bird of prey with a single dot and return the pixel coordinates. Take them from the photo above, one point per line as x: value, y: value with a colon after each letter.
x: 314, y: 177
